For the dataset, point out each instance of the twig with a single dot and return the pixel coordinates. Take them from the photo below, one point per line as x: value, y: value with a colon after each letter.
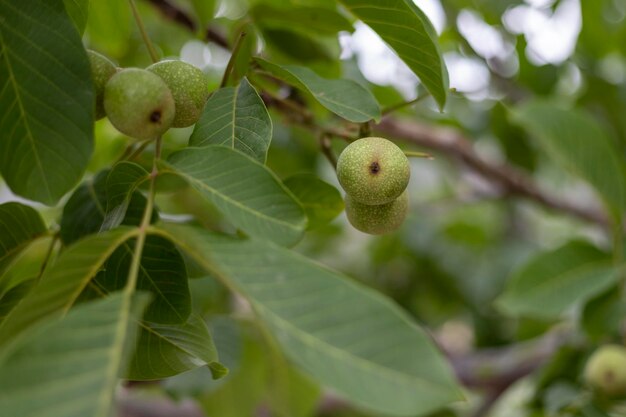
x: 172, y: 12
x: 454, y: 144
x: 404, y: 104
x: 48, y: 256
x: 415, y: 154
x: 144, y: 34
x: 327, y: 150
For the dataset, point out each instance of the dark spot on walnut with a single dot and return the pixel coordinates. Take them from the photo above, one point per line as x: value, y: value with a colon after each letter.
x: 374, y: 167
x: 155, y: 116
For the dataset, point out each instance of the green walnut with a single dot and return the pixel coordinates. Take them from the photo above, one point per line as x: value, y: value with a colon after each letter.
x: 605, y: 370
x: 373, y: 171
x: 379, y: 219
x: 188, y: 85
x: 102, y: 69
x: 139, y: 103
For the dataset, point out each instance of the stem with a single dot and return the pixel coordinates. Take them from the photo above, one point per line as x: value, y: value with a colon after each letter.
x: 233, y: 58
x: 414, y: 154
x: 133, y: 272
x: 139, y: 150
x: 327, y: 151
x: 404, y: 104
x: 144, y: 34
x: 46, y: 260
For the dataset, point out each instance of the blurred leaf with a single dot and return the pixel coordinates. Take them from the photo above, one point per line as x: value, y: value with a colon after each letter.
x: 46, y: 100
x: 582, y: 145
x: 109, y: 27
x: 164, y: 350
x: 247, y: 49
x: 603, y: 315
x: 10, y: 298
x: 240, y: 393
x: 121, y: 183
x: 63, y: 281
x: 410, y: 34
x: 19, y: 226
x: 248, y: 194
x: 78, y: 10
x: 69, y: 367
x: 22, y: 272
x: 349, y: 338
x: 513, y: 139
x: 321, y: 201
x: 297, y: 46
x: 162, y: 272
x: 345, y: 98
x: 317, y: 21
x: 290, y: 393
x: 235, y: 117
x: 554, y: 281
x: 204, y: 10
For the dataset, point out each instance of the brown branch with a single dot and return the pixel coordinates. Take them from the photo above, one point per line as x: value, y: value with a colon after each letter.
x: 177, y: 15
x: 452, y: 143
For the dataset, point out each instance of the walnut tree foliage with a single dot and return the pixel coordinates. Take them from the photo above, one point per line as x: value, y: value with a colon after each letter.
x: 217, y: 260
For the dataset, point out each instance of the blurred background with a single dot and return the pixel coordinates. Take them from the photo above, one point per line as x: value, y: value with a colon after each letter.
x: 465, y: 234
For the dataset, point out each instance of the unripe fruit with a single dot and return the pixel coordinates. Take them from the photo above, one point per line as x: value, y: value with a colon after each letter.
x: 102, y: 69
x: 373, y: 171
x: 139, y: 104
x: 379, y: 219
x: 188, y: 85
x: 605, y: 370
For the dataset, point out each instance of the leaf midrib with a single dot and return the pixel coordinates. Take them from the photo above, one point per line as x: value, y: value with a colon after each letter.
x: 29, y: 134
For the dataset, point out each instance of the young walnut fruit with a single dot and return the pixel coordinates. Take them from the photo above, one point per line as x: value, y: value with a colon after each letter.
x: 102, y: 69
x: 605, y: 370
x: 379, y: 219
x: 189, y: 88
x: 139, y: 103
x: 373, y: 171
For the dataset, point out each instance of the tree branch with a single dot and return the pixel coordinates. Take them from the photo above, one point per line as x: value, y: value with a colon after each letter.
x: 172, y: 12
x: 454, y: 144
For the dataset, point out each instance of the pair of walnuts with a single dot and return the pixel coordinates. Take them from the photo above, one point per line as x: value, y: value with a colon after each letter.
x: 145, y: 103
x: 374, y: 173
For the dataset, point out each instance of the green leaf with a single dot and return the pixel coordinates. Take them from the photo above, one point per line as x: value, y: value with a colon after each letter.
x: 226, y: 333
x: 579, y: 143
x: 13, y: 296
x: 62, y: 282
x: 105, y: 15
x: 554, y: 281
x: 602, y: 315
x: 78, y: 10
x: 162, y: 272
x: 321, y: 201
x: 248, y: 194
x: 19, y: 226
x: 84, y: 213
x: 407, y: 30
x: 46, y: 100
x: 205, y: 11
x: 297, y: 46
x: 164, y: 350
x: 69, y: 367
x: 345, y: 98
x: 346, y: 336
x: 25, y: 267
x: 235, y: 117
x: 312, y: 20
x: 121, y: 184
